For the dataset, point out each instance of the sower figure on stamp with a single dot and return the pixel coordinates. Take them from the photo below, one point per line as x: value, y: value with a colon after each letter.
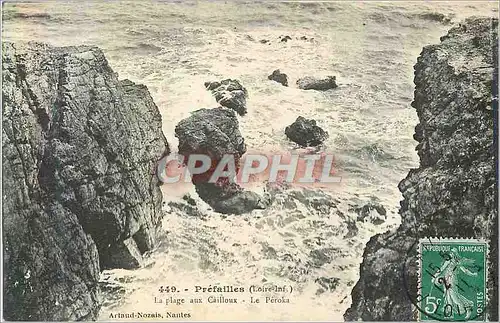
x: 448, y: 277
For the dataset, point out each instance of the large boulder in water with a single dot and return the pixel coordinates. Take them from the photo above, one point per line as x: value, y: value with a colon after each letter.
x: 371, y: 212
x: 230, y: 198
x: 306, y: 132
x: 230, y: 94
x: 279, y: 77
x: 79, y: 147
x: 453, y: 192
x: 315, y: 83
x: 215, y: 133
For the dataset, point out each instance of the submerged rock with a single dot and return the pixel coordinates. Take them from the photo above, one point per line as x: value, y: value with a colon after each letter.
x: 453, y: 192
x: 305, y: 132
x: 306, y: 38
x: 327, y: 284
x: 230, y: 198
x: 314, y: 83
x: 189, y: 199
x: 435, y: 16
x: 78, y: 149
x: 373, y: 212
x: 352, y: 229
x: 249, y: 37
x: 279, y: 77
x: 230, y: 94
x: 285, y: 38
x: 186, y: 208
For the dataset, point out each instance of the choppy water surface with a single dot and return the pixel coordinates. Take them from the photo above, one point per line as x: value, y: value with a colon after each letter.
x: 306, y: 235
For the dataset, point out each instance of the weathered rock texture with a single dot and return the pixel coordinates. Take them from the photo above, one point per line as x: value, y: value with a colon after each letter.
x: 279, y: 77
x: 453, y: 192
x: 230, y: 94
x: 306, y: 132
x: 215, y: 133
x: 315, y: 83
x: 371, y: 212
x: 79, y: 192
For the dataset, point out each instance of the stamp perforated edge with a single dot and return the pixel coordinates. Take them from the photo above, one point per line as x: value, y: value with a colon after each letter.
x: 453, y: 239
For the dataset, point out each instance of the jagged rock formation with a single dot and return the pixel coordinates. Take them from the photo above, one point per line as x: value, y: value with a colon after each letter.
x: 79, y: 151
x: 279, y: 77
x: 306, y: 132
x: 215, y: 133
x: 453, y: 192
x: 315, y: 83
x: 285, y: 38
x: 230, y: 94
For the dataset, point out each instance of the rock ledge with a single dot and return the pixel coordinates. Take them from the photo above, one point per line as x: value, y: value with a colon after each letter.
x: 453, y: 192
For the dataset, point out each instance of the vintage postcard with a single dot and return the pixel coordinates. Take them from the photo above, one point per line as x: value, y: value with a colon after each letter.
x: 205, y: 161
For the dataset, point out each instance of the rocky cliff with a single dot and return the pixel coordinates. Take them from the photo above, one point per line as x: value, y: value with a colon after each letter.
x: 79, y: 191
x: 453, y: 193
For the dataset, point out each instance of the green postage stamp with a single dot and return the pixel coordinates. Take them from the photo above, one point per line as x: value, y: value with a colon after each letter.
x: 452, y: 279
